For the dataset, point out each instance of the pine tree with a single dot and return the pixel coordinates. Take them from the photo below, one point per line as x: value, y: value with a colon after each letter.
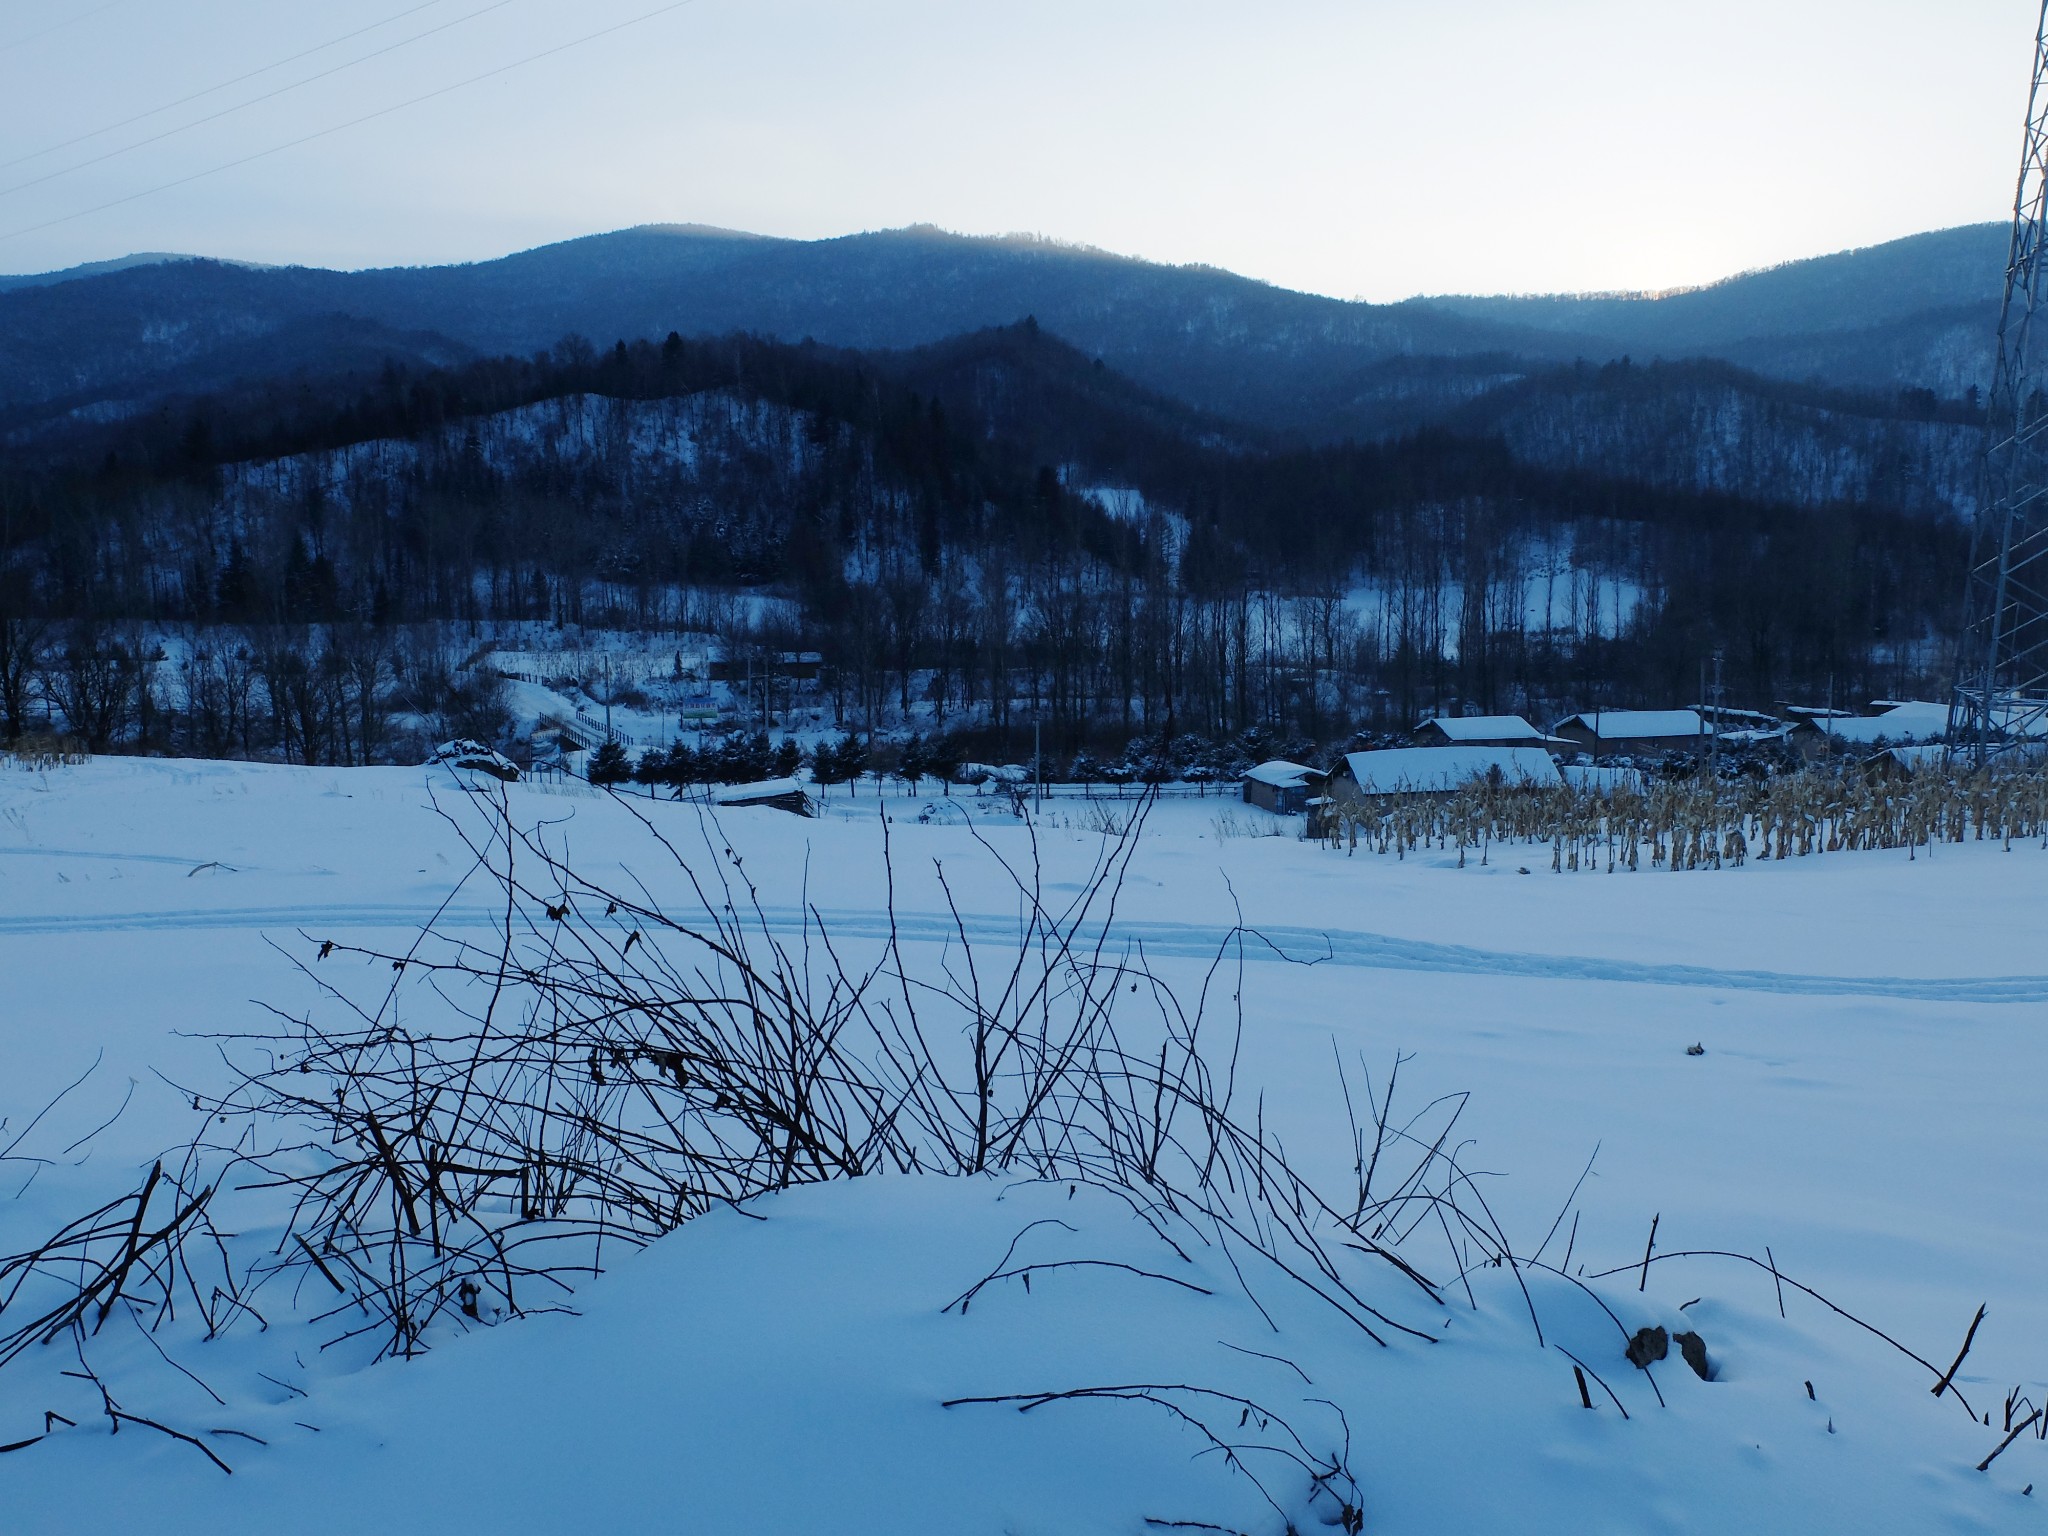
x: 851, y: 757
x: 913, y: 763
x: 942, y: 759
x: 608, y: 764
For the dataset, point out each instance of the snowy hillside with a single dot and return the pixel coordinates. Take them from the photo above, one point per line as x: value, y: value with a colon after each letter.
x: 850, y: 1354
x: 1706, y: 429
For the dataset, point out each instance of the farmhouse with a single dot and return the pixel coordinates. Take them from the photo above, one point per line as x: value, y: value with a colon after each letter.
x: 1279, y: 786
x: 1440, y: 770
x: 1478, y: 731
x: 1903, y: 724
x: 1606, y: 731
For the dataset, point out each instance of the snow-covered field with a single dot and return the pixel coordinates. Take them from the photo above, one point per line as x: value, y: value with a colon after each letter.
x: 1868, y: 1107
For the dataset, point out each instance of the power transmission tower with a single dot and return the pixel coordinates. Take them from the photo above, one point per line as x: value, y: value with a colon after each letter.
x: 2002, y: 663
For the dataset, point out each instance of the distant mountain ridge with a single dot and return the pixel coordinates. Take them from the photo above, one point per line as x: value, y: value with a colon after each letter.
x: 114, y: 338
x: 1847, y: 291
x: 1917, y: 312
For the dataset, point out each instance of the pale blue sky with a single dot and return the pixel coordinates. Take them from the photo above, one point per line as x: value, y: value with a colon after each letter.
x: 1362, y: 149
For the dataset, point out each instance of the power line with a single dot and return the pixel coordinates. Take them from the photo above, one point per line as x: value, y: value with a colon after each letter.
x: 531, y: 58
x: 36, y: 181
x: 36, y: 37
x: 304, y: 53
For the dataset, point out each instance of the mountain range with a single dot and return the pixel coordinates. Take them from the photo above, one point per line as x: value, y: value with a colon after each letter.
x: 1145, y: 493
x: 1906, y: 325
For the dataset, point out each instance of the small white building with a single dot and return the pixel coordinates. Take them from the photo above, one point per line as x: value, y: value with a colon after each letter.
x: 1280, y: 786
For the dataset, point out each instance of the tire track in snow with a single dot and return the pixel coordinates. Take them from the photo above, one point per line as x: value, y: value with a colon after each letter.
x: 1316, y: 946
x: 112, y: 858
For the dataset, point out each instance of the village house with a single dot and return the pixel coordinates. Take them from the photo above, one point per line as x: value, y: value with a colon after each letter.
x: 1904, y: 723
x: 1280, y: 786
x: 1606, y: 732
x: 1359, y: 776
x: 1479, y: 731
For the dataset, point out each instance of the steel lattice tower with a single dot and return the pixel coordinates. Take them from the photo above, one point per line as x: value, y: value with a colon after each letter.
x: 2002, y: 662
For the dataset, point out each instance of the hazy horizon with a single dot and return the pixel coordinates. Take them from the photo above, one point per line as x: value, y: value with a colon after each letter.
x: 139, y: 257
x: 1357, y: 150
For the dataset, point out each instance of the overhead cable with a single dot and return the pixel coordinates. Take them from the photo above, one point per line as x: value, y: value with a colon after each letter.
x: 304, y: 53
x: 68, y: 21
x: 403, y: 42
x: 413, y: 101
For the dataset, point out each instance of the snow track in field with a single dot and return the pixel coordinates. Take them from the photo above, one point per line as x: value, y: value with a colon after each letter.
x: 1341, y: 947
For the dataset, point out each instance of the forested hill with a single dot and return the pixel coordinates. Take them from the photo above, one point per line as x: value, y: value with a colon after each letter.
x: 1914, y: 314
x: 1004, y: 516
x: 1208, y: 337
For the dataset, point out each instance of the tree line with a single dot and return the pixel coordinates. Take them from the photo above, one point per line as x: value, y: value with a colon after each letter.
x: 992, y: 534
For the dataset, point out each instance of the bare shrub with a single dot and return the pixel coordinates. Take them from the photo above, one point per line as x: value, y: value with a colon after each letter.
x: 38, y: 754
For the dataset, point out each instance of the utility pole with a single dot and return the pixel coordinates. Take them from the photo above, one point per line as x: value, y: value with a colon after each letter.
x: 1714, y: 748
x: 2001, y: 690
x: 1700, y: 757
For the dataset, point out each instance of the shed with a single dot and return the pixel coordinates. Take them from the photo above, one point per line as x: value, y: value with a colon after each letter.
x: 1279, y: 786
x: 1605, y: 731
x: 1478, y: 731
x: 778, y: 794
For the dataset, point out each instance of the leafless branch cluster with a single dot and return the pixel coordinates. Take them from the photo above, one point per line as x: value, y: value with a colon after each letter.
x: 463, y: 1143
x: 135, y: 1260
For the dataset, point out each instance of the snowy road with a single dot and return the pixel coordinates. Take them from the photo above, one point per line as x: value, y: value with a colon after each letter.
x: 1282, y: 944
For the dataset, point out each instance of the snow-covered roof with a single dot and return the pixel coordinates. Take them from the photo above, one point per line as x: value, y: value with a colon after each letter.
x: 1637, y: 724
x: 992, y: 773
x: 1485, y: 728
x: 1915, y: 720
x: 1913, y: 759
x: 1723, y: 715
x: 1440, y: 768
x: 1754, y: 738
x: 1281, y: 774
x: 465, y: 753
x: 760, y: 789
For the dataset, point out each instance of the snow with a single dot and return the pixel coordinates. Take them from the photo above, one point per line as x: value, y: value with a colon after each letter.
x: 1899, y: 725
x: 1637, y: 724
x: 1281, y: 774
x: 1867, y: 1105
x: 760, y: 789
x: 1913, y: 759
x: 1441, y: 768
x: 1467, y: 728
